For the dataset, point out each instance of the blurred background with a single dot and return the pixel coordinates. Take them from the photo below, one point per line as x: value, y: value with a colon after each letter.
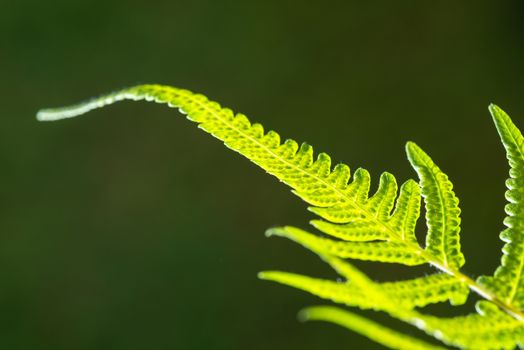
x: 131, y: 229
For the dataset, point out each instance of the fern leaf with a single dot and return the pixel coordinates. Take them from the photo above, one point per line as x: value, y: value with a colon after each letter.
x: 358, y: 290
x: 407, y: 211
x: 365, y: 327
x: 342, y: 293
x: 407, y: 294
x: 403, y: 220
x: 488, y: 329
x: 362, y: 292
x: 380, y: 227
x: 355, y: 231
x: 432, y: 289
x: 389, y: 252
x: 331, y: 193
x: 382, y: 202
x: 508, y: 281
x: 443, y: 212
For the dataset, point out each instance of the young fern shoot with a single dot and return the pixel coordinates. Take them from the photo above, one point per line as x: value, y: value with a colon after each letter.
x: 378, y: 227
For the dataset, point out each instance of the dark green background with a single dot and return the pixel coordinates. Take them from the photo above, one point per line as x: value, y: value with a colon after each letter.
x: 132, y: 229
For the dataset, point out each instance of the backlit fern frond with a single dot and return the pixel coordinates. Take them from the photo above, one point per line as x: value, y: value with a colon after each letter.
x: 380, y: 227
x: 332, y: 195
x: 488, y: 328
x: 367, y: 328
x: 417, y: 292
x: 442, y: 210
x: 391, y: 252
x: 508, y: 281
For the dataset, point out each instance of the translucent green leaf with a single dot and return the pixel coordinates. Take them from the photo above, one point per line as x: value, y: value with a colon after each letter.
x: 333, y: 194
x: 402, y: 221
x: 339, y: 292
x: 366, y: 327
x: 380, y: 227
x: 382, y: 202
x: 407, y: 211
x: 508, y: 281
x: 359, y: 230
x: 490, y: 328
x: 360, y: 291
x: 443, y: 212
x: 431, y: 289
x: 389, y: 252
x: 407, y: 294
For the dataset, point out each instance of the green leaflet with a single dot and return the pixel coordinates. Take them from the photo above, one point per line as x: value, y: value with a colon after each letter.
x: 389, y: 252
x: 367, y: 328
x: 405, y: 294
x: 360, y: 291
x: 489, y: 329
x: 508, y: 281
x: 403, y: 220
x: 431, y: 289
x: 378, y: 227
x: 443, y: 213
x: 341, y: 293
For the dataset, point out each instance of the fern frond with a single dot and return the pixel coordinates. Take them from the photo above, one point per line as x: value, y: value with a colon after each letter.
x: 407, y: 294
x: 431, y: 289
x: 338, y: 292
x: 443, y: 212
x: 403, y: 220
x: 378, y: 227
x: 360, y: 291
x: 355, y: 231
x: 508, y: 281
x: 366, y: 327
x: 389, y: 252
x: 407, y: 211
x: 488, y: 329
x: 330, y: 192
